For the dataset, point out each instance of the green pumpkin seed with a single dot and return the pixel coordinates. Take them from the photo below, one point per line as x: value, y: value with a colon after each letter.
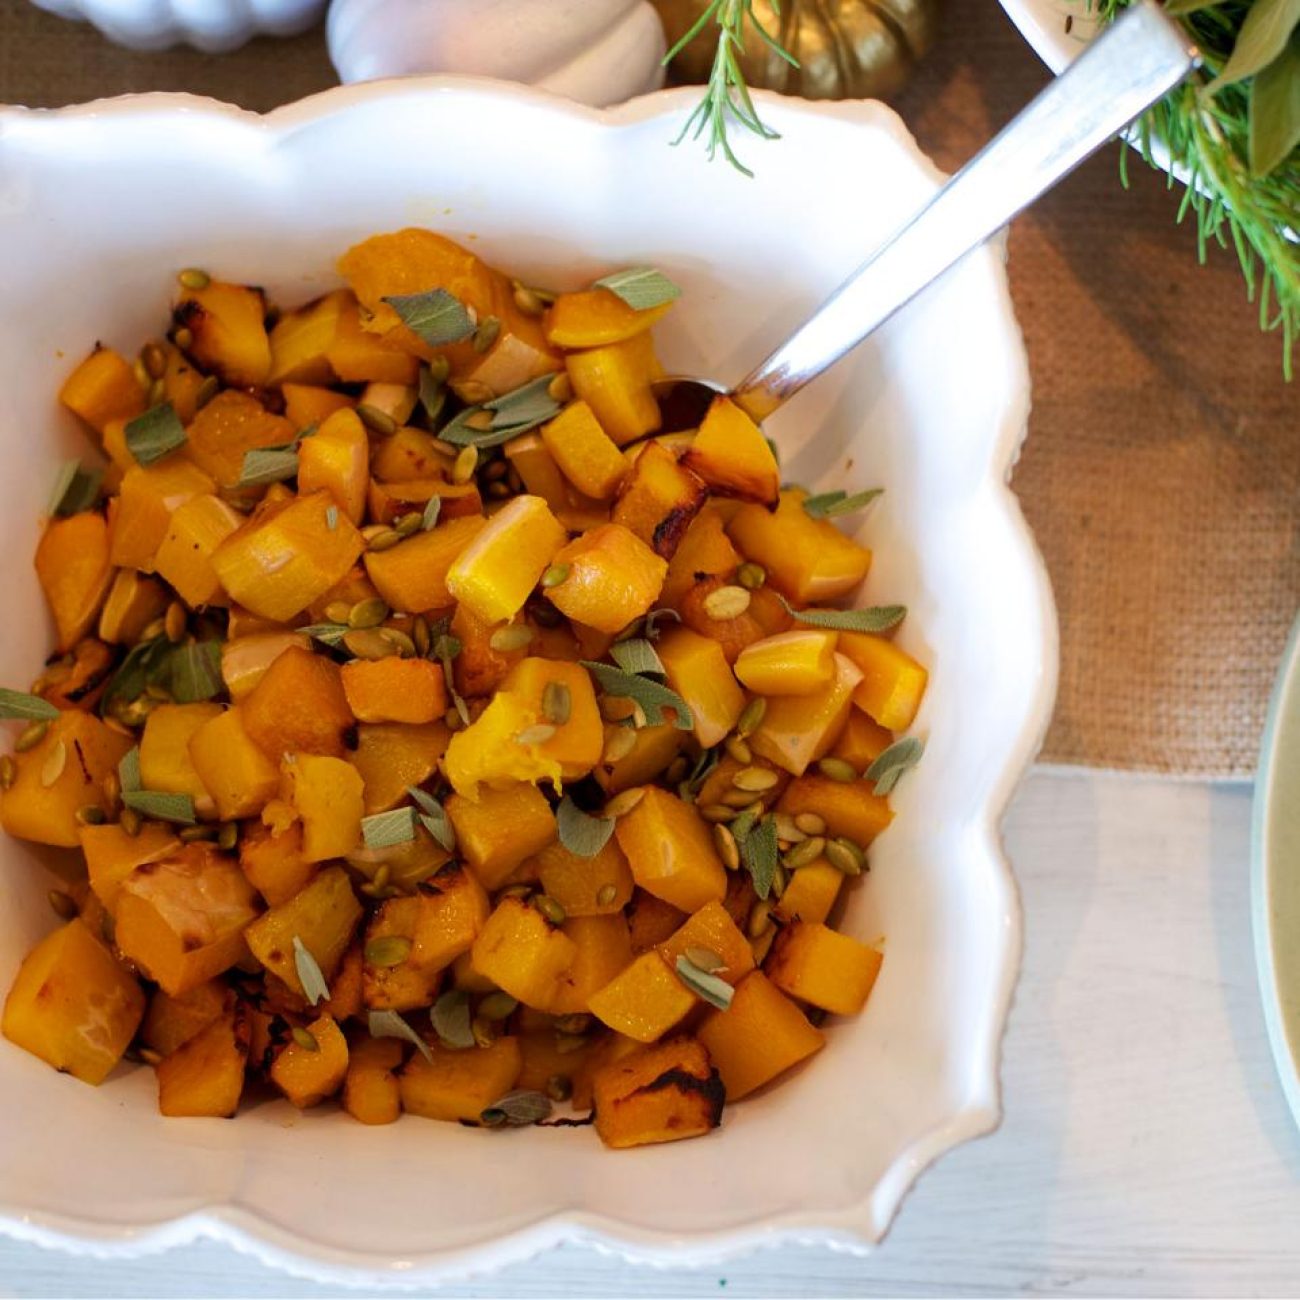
x: 560, y: 389
x: 751, y: 576
x: 338, y: 611
x: 606, y: 894
x: 760, y: 919
x: 55, y: 761
x: 375, y: 420
x: 386, y: 952
x: 550, y: 909
x: 742, y: 798
x: 8, y: 772
x: 31, y: 736
x: 556, y: 574
x: 811, y: 823
x: 717, y: 812
x: 408, y: 524
x: 704, y: 959
x: 755, y: 780
x: 183, y: 338
x: 726, y: 603
x: 368, y: 643
x: 619, y: 745
x: 804, y: 854
x: 538, y: 734
x: 737, y: 749
x: 194, y: 278
x: 484, y: 1031
x: 725, y: 842
x: 367, y: 613
x: 779, y: 878
x: 196, y: 834
x: 439, y: 369
x: 486, y: 335
x: 751, y: 716
x: 228, y: 836
x: 421, y: 637
x: 384, y: 540
x: 305, y: 1039
x: 623, y: 802
x: 208, y: 389
x: 520, y: 890
x: 149, y: 1056
x: 557, y: 703
x: 398, y: 640
x: 130, y: 821
x: 91, y: 815
x: 157, y: 390
x: 838, y: 769
x: 64, y: 905
x: 497, y: 1006
x: 383, y: 873
x: 845, y: 856
x: 559, y: 1087
x: 528, y: 302
x: 786, y: 831
x: 155, y: 360
x: 466, y: 463
x: 516, y: 636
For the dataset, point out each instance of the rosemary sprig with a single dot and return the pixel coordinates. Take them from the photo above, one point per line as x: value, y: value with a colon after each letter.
x: 726, y: 96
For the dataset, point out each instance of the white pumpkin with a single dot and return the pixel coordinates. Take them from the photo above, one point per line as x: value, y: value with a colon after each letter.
x: 595, y: 51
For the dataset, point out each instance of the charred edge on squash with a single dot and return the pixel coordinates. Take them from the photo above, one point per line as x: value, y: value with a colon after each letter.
x: 670, y: 530
x: 81, y: 759
x: 709, y: 1088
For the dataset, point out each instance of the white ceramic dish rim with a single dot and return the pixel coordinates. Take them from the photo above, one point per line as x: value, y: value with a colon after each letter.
x: 1281, y: 739
x: 855, y: 1229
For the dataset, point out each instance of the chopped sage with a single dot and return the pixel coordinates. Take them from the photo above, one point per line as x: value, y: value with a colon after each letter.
x: 451, y: 1020
x: 136, y: 671
x: 265, y: 465
x: 652, y: 696
x: 178, y: 808
x: 758, y: 854
x: 436, y: 316
x: 432, y: 509
x: 128, y: 771
x: 893, y: 762
x: 155, y: 434
x: 499, y: 419
x: 517, y: 1109
x: 76, y: 489
x: 641, y: 287
x: 433, y: 817
x: 830, y: 505
x: 649, y: 626
x: 433, y: 395
x: 637, y: 655
x: 29, y: 708
x: 193, y: 672
x: 580, y: 833
x: 330, y: 634
x: 876, y: 618
x: 388, y: 1024
x: 386, y: 829
x: 704, y: 984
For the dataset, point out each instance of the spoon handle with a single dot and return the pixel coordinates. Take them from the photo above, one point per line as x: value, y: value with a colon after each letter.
x: 1124, y: 71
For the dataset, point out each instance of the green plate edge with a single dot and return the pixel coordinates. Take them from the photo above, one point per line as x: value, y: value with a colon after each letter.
x: 1275, y: 872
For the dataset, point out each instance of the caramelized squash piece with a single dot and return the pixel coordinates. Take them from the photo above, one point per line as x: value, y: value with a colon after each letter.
x: 579, y: 739
x: 496, y: 832
x: 165, y: 762
x: 459, y: 1086
x: 670, y: 850
x: 230, y: 425
x: 307, y: 1075
x: 171, y: 1022
x: 713, y: 930
x: 594, y: 886
x: 585, y: 453
x: 336, y: 460
x: 393, y: 756
x: 850, y: 809
x: 412, y: 576
x: 326, y: 793
x: 394, y: 690
x: 184, y: 559
x: 645, y: 1000
x: 658, y: 1094
x: 300, y: 344
x: 520, y: 952
x: 371, y: 1094
x: 145, y: 504
x: 299, y: 706
x: 205, y: 1075
x: 698, y: 671
x: 660, y: 499
x: 892, y: 681
x: 112, y: 855
x: 801, y: 662
x: 232, y: 768
x: 273, y: 862
x: 604, y: 949
x: 731, y: 455
x: 594, y: 317
x: 796, y: 730
x: 615, y: 381
x: 613, y: 578
x: 133, y: 602
x: 818, y: 965
x: 811, y: 892
x: 227, y: 322
x: 103, y: 388
x: 245, y: 659
x: 75, y: 573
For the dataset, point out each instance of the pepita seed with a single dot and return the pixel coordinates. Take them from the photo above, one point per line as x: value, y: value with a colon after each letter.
x: 811, y: 823
x: 838, y: 769
x: 153, y: 630
x: 31, y: 736
x: 383, y: 873
x: 577, y: 1022
x: 738, y: 750
x: 755, y: 779
x: 704, y: 958
x: 786, y: 829
x: 619, y: 745
x: 439, y: 369
x: 484, y: 1032
x: 520, y: 890
x: 497, y: 1006
x: 155, y: 360
x: 208, y: 389
x: 196, y: 834
x: 557, y: 703
x: 550, y: 909
x: 183, y: 337
x: 384, y: 540
x: 553, y: 576
x: 623, y: 802
x: 305, y: 1039
x: 64, y: 905
x: 742, y: 799
x: 514, y: 637
x: 409, y: 523
x: 559, y: 1087
x: 388, y: 951
x: 194, y: 278
x: 8, y: 772
x: 452, y: 719
x: 804, y: 854
x: 760, y: 919
x: 486, y: 335
x: 606, y: 894
x: 528, y: 302
x: 157, y: 693
x: 228, y: 836
x: 375, y: 420
x: 677, y: 770
x: 368, y: 643
x: 845, y: 856
x: 55, y: 761
x: 567, y: 1043
x: 751, y: 576
x: 751, y: 716
x: 779, y: 879
x: 174, y: 622
x: 130, y: 821
x: 367, y: 613
x: 717, y: 812
x: 399, y: 640
x: 725, y: 842
x: 91, y: 815
x: 480, y: 422
x: 466, y: 463
x: 157, y: 389
x: 560, y: 389
x: 538, y: 734
x: 726, y: 603
x: 420, y: 636
x: 338, y: 611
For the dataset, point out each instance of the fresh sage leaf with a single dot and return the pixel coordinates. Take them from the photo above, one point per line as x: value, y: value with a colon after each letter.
x: 580, y: 833
x: 330, y: 634
x: 759, y: 856
x: 637, y: 655
x: 433, y: 395
x: 193, y: 672
x: 893, y: 762
x: 386, y: 829
x: 265, y: 465
x: 650, y: 624
x: 512, y: 414
x: 875, y: 618
x: 128, y: 771
x: 75, y: 489
x: 652, y: 696
x: 178, y: 808
x: 641, y: 287
x: 136, y: 671
x: 435, y: 316
x: 704, y: 984
x: 830, y: 505
x: 432, y: 509
x: 517, y: 1110
x: 1264, y: 33
x: 155, y: 434
x: 433, y: 816
x: 1275, y: 110
x: 26, y: 708
x: 388, y: 1024
x: 451, y: 1020
x: 310, y: 975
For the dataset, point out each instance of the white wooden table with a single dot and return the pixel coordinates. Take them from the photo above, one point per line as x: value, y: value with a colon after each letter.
x: 1146, y: 1149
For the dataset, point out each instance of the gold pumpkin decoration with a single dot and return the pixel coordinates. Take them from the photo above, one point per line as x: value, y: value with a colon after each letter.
x: 847, y: 49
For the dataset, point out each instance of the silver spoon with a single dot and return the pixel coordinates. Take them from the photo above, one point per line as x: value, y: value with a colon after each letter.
x: 1133, y: 64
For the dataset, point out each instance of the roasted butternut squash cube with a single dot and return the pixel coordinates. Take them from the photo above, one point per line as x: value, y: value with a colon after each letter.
x: 644, y: 1001
x: 336, y: 459
x: 165, y: 762
x: 75, y: 573
x: 287, y: 555
x: 801, y: 662
x: 719, y: 781
x: 464, y: 976
x: 182, y: 920
x: 395, y: 690
x: 501, y: 748
x: 615, y: 381
x: 133, y: 602
x: 229, y: 329
x: 712, y: 929
x: 393, y: 756
x: 547, y: 1055
x: 64, y: 772
x: 762, y: 1034
x: 652, y: 751
x: 370, y: 1091
x: 594, y: 317
x: 300, y: 343
x: 111, y: 854
x: 459, y: 1086
x: 519, y: 355
x: 731, y: 455
x: 145, y: 504
x: 670, y: 850
x: 705, y: 550
x: 410, y: 455
x: 698, y: 671
x: 204, y: 1076
x: 502, y: 828
x: 862, y: 741
x: 400, y: 985
x: 604, y: 949
x: 799, y: 729
x: 480, y: 668
x: 541, y: 475
x: 500, y: 566
x: 735, y: 634
x: 650, y: 921
x: 327, y: 794
x: 184, y: 559
x: 584, y: 452
x: 818, y: 965
x: 307, y: 1075
x: 806, y: 559
x: 245, y: 659
x: 230, y: 425
x: 389, y: 501
x: 305, y: 405
x: 454, y: 908
x: 103, y: 387
x: 345, y: 1000
x: 231, y: 767
x: 273, y: 862
x: 811, y: 892
x: 73, y: 1004
x: 613, y: 578
x: 579, y: 740
x: 659, y: 499
x: 412, y: 576
x: 659, y: 1094
x: 892, y: 681
x: 520, y: 952
x: 298, y: 706
x: 323, y: 915
x: 170, y: 1021
x: 358, y: 355
x: 849, y: 808
x: 580, y: 884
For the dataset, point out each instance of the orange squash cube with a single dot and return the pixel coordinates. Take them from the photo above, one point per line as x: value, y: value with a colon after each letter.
x: 520, y: 952
x: 370, y: 1091
x: 584, y: 452
x: 480, y: 668
x: 395, y: 690
x: 652, y: 751
x: 204, y: 1076
x: 659, y: 500
x: 389, y: 501
x: 300, y: 343
x: 393, y: 756
x: 578, y: 741
x: 796, y: 730
x: 170, y: 1021
x: 165, y: 762
x: 231, y: 767
x: 806, y: 559
x: 245, y: 659
x: 547, y: 1055
x: 670, y: 850
x: 184, y: 559
x: 811, y: 892
x: 849, y: 808
x: 298, y: 706
x: 801, y: 662
x: 308, y: 1075
x: 229, y: 329
x: 615, y: 381
x: 73, y: 1004
x: 658, y: 1094
x: 326, y: 793
x: 103, y: 388
x: 336, y: 459
x: 613, y: 578
x: 111, y: 854
x: 408, y: 983
x: 358, y: 355
x: 75, y: 573
x: 133, y: 602
x: 705, y: 550
x: 816, y: 964
x: 454, y: 907
x: 501, y: 749
x: 762, y: 1034
x: 145, y: 504
x: 412, y: 576
x: 502, y: 828
x: 644, y: 1001
x: 604, y: 949
x: 305, y: 405
x: 579, y: 884
x: 731, y: 455
x: 459, y: 1086
x: 344, y: 1001
x: 410, y: 455
x: 712, y: 929
x: 273, y: 862
x: 230, y: 425
x: 892, y: 681
x: 698, y: 671
x: 594, y: 317
x: 862, y: 741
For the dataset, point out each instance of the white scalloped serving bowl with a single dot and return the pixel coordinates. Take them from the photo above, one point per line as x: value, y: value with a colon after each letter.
x: 100, y: 205
x: 210, y: 25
